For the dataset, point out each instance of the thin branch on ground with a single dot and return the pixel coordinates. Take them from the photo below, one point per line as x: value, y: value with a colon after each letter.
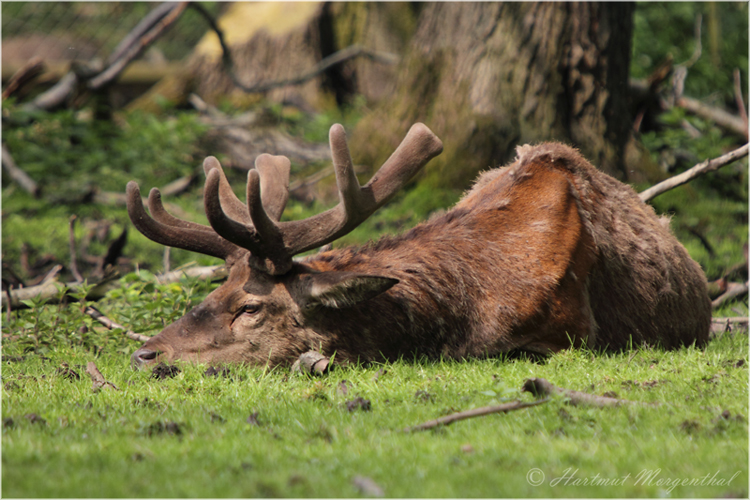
x: 720, y: 326
x: 18, y: 175
x: 50, y: 291
x: 540, y: 387
x: 144, y: 26
x: 72, y: 244
x: 720, y: 117
x: 688, y: 175
x: 101, y: 318
x: 147, y: 31
x: 25, y: 74
x: 476, y: 412
x: 733, y: 290
x: 137, y: 47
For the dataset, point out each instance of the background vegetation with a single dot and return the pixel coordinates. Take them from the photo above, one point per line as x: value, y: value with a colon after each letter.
x: 256, y: 432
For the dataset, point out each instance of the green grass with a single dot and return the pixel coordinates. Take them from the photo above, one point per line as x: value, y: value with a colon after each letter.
x: 189, y: 436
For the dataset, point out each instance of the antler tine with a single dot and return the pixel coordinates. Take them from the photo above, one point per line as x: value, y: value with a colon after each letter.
x: 160, y: 214
x: 357, y: 203
x: 274, y: 183
x: 229, y: 201
x: 261, y: 237
x: 182, y: 234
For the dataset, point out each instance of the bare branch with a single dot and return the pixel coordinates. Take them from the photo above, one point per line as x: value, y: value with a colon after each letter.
x: 541, y: 387
x: 18, y: 175
x: 720, y: 326
x: 25, y: 74
x: 688, y: 175
x: 733, y: 290
x: 723, y: 119
x: 97, y: 315
x: 476, y: 412
x: 135, y: 49
x: 50, y: 290
x: 143, y: 27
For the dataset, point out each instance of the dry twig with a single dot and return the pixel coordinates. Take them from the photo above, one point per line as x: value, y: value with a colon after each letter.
x: 542, y: 387
x: 18, y: 175
x: 97, y: 315
x: 733, y: 290
x: 476, y: 412
x: 25, y: 74
x: 724, y: 325
x: 688, y: 175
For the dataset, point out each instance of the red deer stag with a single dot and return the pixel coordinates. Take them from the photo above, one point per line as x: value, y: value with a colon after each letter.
x: 538, y: 256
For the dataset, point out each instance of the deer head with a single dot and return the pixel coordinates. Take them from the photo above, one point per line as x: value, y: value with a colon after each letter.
x: 264, y: 313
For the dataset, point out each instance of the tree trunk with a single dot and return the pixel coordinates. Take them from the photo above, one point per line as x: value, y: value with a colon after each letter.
x: 487, y: 77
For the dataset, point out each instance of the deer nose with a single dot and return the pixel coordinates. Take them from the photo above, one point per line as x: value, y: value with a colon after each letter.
x: 142, y: 356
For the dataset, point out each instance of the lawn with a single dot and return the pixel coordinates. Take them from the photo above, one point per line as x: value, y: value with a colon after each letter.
x: 249, y: 431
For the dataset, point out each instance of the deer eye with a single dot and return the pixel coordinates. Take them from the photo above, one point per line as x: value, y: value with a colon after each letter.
x: 250, y: 308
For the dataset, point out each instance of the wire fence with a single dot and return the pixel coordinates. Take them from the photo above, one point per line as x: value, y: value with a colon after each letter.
x: 65, y: 31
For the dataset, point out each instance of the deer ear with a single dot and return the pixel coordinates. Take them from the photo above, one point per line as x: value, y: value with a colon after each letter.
x: 338, y: 289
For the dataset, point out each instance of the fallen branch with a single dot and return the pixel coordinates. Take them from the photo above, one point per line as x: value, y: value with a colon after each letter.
x: 541, y: 387
x: 476, y: 412
x: 688, y: 175
x: 25, y: 74
x: 733, y: 290
x: 143, y: 35
x: 18, y: 175
x: 52, y: 291
x: 720, y: 117
x: 136, y: 47
x: 101, y: 318
x: 725, y: 325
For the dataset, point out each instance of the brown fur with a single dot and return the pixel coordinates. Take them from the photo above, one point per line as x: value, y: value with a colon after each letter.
x: 541, y: 255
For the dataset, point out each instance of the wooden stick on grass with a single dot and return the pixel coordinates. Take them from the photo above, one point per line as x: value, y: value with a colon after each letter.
x: 476, y: 412
x: 97, y: 315
x: 542, y: 387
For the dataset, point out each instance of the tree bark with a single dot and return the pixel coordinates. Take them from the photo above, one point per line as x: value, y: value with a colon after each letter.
x: 486, y: 77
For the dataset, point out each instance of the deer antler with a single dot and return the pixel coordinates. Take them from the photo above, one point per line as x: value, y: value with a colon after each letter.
x: 255, y: 227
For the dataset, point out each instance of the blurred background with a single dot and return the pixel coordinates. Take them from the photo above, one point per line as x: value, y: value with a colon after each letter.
x: 96, y: 94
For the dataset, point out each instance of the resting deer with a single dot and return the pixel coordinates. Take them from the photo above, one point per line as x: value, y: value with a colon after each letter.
x: 545, y: 254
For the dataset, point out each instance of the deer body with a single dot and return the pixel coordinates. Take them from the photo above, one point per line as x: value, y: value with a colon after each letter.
x: 542, y: 255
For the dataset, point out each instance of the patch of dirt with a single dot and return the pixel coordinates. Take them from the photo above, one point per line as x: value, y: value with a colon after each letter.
x: 214, y: 371
x: 358, y: 403
x: 35, y: 419
x: 690, y: 426
x: 172, y: 428
x: 68, y: 373
x: 164, y: 371
x: 253, y: 419
x: 423, y: 396
x: 8, y: 423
